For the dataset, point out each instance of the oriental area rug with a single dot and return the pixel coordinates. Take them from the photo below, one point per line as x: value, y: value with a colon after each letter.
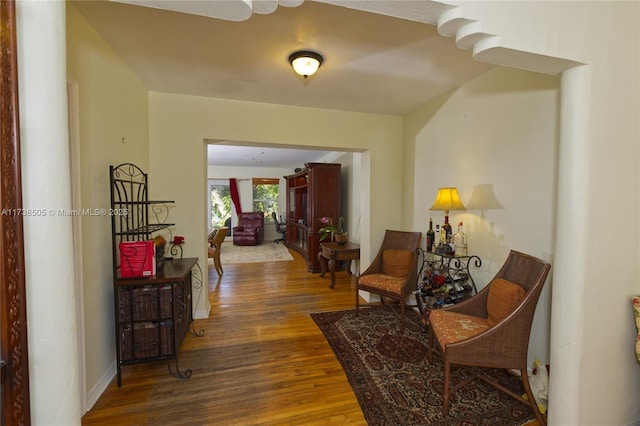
x: 395, y: 384
x: 265, y: 252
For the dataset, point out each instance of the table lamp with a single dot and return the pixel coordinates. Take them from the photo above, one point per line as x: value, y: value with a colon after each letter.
x: 447, y: 199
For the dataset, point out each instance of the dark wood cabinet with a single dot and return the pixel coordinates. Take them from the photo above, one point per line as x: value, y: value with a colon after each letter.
x: 312, y: 193
x: 153, y: 313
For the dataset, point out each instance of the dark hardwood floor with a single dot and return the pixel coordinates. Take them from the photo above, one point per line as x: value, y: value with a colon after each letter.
x: 262, y: 359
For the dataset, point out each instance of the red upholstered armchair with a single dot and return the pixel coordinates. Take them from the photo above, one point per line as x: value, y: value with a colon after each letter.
x: 250, y: 229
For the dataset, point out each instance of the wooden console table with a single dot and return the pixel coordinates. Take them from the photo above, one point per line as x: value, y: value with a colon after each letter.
x: 334, y: 252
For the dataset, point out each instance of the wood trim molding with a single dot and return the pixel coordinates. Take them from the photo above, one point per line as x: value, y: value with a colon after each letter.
x: 265, y: 181
x: 13, y: 311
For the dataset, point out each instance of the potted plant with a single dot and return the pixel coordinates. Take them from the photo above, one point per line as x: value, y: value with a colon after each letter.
x: 329, y: 230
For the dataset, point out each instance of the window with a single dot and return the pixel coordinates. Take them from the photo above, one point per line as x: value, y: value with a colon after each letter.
x: 220, y: 203
x: 265, y: 197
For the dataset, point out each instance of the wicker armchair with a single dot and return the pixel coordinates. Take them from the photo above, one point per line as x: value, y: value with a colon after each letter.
x: 491, y: 329
x: 215, y: 244
x: 392, y: 274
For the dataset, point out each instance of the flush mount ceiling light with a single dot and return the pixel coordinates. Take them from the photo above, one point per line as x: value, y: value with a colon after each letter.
x: 305, y: 62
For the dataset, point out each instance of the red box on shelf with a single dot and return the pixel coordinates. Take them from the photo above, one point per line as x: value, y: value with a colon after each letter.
x: 137, y: 259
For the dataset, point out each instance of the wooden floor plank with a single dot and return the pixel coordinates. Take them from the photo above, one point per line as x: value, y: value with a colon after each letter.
x: 262, y: 360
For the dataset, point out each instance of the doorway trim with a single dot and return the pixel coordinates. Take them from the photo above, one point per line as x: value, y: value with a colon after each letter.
x: 73, y: 103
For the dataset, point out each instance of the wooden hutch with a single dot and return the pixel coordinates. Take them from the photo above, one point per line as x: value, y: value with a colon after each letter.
x: 312, y: 193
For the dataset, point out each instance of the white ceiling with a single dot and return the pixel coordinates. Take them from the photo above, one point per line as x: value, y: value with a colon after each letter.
x: 251, y: 155
x: 373, y: 63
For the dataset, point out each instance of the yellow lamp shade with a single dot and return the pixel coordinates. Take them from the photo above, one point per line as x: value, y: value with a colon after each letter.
x: 447, y: 199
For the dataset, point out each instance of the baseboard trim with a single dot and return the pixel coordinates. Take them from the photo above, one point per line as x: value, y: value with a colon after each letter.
x: 369, y: 297
x: 98, y: 389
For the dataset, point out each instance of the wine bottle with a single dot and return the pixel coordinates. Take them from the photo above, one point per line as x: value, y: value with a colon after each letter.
x: 431, y: 236
x: 460, y: 240
x: 447, y: 228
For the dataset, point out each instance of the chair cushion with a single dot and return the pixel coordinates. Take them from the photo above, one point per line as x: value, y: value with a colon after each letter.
x: 385, y: 282
x: 397, y: 262
x: 451, y: 327
x: 635, y: 302
x: 503, y: 298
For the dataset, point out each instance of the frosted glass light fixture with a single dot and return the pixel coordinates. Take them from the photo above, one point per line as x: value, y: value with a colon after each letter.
x: 305, y: 62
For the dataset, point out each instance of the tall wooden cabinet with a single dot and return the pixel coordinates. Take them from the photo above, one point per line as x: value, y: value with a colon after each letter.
x: 153, y: 313
x: 312, y: 193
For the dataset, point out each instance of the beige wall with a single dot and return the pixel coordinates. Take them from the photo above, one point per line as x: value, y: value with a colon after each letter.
x: 181, y: 124
x: 591, y: 348
x: 113, y: 108
x: 498, y: 132
x: 597, y: 257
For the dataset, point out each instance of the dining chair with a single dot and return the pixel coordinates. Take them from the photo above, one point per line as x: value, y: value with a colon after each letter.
x: 215, y: 245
